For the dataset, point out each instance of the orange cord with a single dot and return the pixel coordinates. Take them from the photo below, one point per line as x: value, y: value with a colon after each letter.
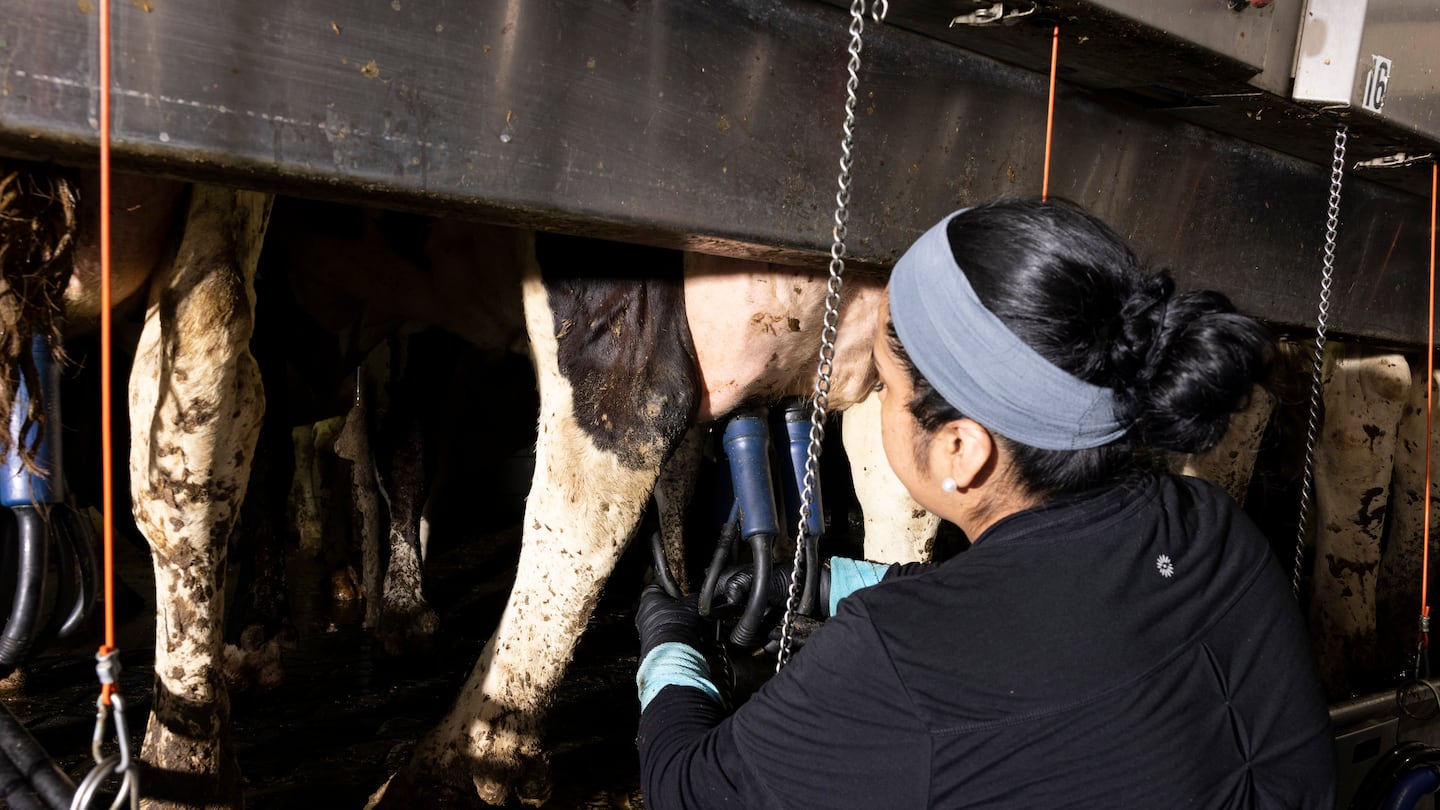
x: 1050, y: 113
x: 107, y: 443
x: 1429, y: 424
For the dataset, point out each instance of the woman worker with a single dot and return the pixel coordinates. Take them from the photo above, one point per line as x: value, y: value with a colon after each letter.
x: 1113, y: 638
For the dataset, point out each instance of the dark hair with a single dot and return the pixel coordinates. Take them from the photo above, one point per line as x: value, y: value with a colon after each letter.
x: 1179, y: 363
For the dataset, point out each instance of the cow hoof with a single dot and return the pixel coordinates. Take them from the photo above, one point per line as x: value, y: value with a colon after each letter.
x: 533, y: 789
x: 408, y: 632
x: 530, y: 782
x: 438, y: 776
x: 492, y: 791
x: 400, y: 792
x: 186, y: 774
x: 255, y: 663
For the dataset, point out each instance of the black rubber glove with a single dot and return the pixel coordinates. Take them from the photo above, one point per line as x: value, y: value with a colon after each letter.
x: 732, y: 588
x: 661, y: 619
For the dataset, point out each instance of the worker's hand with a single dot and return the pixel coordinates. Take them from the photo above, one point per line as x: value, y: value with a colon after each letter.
x: 800, y: 630
x: 662, y: 619
x: 733, y: 586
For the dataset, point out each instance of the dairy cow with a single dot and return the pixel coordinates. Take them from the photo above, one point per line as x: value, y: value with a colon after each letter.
x: 632, y: 349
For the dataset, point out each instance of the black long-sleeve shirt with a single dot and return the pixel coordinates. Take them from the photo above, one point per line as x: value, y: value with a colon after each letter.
x: 1133, y: 647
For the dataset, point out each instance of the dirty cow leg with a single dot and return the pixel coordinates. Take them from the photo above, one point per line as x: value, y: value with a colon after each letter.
x: 195, y: 407
x: 572, y: 541
x: 1365, y: 393
x: 617, y: 381
x: 897, y: 529
x: 259, y: 625
x: 304, y: 504
x: 407, y: 622
x: 1398, y: 597
x: 353, y: 445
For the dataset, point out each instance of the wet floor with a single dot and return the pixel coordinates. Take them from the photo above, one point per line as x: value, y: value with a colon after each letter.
x: 346, y: 715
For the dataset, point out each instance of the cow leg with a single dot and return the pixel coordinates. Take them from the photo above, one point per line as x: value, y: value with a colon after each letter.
x: 582, y: 506
x: 262, y: 606
x: 1230, y: 463
x: 495, y: 725
x: 353, y: 445
x: 407, y: 621
x: 897, y: 529
x: 1397, y: 586
x: 615, y: 398
x: 304, y: 504
x: 1364, y: 396
x: 340, y: 504
x: 196, y: 403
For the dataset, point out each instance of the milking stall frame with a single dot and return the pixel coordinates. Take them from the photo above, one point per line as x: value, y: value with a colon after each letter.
x: 1202, y: 131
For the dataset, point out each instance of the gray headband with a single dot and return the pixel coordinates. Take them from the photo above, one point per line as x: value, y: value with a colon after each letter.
x: 982, y: 368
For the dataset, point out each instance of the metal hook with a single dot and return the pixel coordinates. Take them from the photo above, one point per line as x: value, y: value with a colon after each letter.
x: 107, y: 669
x: 1418, y: 682
x: 129, y: 785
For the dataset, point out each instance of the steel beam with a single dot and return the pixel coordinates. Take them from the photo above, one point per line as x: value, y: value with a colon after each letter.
x: 712, y: 125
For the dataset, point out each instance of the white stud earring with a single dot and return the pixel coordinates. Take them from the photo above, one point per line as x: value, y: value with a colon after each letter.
x: 948, y: 485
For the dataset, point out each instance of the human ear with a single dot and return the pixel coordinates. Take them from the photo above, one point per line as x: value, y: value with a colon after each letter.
x: 965, y: 449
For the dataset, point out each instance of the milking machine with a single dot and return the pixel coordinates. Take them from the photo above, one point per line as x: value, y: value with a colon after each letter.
x: 48, y: 572
x: 48, y: 563
x: 753, y: 517
x: 754, y: 525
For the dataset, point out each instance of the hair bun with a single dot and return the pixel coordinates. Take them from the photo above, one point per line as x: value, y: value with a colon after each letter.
x: 1139, y: 339
x: 1205, y: 362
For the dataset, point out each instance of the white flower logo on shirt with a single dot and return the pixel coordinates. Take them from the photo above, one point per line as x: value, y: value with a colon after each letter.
x: 1165, y: 566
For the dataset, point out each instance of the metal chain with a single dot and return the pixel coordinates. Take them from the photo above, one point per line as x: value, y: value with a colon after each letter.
x: 1332, y: 225
x: 820, y: 401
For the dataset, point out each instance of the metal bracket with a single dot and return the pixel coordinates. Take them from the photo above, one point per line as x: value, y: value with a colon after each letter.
x: 1398, y: 160
x: 994, y: 13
